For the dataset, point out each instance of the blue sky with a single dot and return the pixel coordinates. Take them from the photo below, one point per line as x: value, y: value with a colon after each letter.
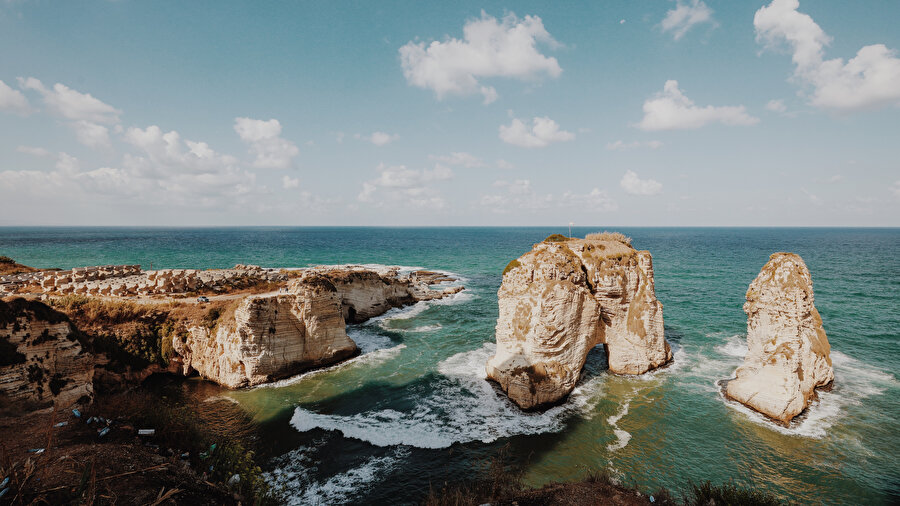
x: 452, y: 113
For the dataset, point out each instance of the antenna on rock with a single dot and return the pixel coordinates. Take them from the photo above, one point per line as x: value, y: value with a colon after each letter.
x: 571, y: 224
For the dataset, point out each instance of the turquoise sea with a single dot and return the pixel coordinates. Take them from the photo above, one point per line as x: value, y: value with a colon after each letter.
x: 414, y: 411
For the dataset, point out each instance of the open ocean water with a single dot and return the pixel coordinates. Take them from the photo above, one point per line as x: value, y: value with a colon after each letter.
x: 414, y: 410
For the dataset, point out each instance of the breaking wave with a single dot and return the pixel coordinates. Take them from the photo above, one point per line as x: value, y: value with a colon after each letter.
x: 461, y: 407
x: 853, y: 382
x: 294, y: 477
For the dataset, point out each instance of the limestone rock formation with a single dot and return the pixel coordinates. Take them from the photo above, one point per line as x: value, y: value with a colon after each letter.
x: 788, y: 353
x: 275, y: 336
x: 563, y: 298
x: 42, y: 362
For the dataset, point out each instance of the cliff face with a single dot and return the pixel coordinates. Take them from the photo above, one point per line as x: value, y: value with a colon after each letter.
x: 42, y: 363
x: 563, y: 298
x: 788, y: 353
x: 276, y: 336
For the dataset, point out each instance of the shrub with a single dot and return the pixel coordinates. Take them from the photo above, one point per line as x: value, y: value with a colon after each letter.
x: 6, y: 260
x: 556, y: 238
x: 217, y: 435
x: 212, y: 317
x: 510, y: 266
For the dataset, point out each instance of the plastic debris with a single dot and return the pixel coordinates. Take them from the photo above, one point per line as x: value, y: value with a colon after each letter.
x: 146, y: 432
x: 76, y: 413
x: 37, y: 451
x: 652, y: 499
x: 234, y: 480
x: 61, y: 424
x: 4, y: 491
x: 5, y: 482
x: 104, y: 431
x: 90, y: 420
x: 212, y: 447
x: 185, y: 455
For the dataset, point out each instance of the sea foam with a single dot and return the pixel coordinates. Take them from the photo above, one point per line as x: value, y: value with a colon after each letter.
x: 461, y: 407
x: 623, y: 437
x: 853, y: 382
x: 293, y: 477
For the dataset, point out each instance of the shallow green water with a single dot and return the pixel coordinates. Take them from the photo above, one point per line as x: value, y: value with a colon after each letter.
x: 414, y: 408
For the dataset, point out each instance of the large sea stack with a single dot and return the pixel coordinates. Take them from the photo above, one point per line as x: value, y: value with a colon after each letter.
x: 788, y: 353
x: 564, y: 297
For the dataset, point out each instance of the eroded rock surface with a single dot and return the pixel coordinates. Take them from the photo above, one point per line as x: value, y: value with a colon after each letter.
x: 42, y: 362
x: 788, y: 353
x: 278, y: 335
x: 563, y: 298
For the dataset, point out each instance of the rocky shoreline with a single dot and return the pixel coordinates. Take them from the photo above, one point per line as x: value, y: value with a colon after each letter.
x: 57, y: 348
x: 70, y: 337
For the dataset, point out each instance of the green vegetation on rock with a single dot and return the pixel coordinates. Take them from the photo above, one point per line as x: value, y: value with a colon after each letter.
x: 511, y: 265
x: 556, y: 238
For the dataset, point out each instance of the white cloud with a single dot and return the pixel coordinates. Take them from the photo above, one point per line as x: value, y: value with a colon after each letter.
x: 595, y: 200
x: 466, y: 160
x: 503, y: 164
x: 91, y: 134
x: 33, y: 151
x: 72, y: 104
x: 543, y: 132
x: 685, y: 16
x: 634, y: 185
x: 776, y: 106
x: 489, y: 48
x: 289, y: 182
x: 625, y: 146
x: 378, y: 138
x: 406, y: 187
x: 187, y: 172
x: 520, y: 196
x: 870, y: 79
x: 672, y: 110
x: 264, y: 137
x: 13, y: 100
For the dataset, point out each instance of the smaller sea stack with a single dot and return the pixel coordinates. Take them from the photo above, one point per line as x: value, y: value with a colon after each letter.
x: 788, y: 354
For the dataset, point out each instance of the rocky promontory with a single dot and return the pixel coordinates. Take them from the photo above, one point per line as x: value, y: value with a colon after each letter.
x: 257, y: 325
x: 566, y: 296
x: 788, y: 354
x: 301, y: 327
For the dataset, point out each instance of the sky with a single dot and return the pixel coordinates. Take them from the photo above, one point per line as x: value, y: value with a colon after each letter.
x: 403, y: 113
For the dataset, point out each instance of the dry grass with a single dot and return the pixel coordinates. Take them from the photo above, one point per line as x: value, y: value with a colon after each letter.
x: 9, y: 266
x: 609, y: 236
x: 511, y: 265
x: 137, y: 335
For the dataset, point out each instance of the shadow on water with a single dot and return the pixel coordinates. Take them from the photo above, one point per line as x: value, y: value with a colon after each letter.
x: 413, y: 413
